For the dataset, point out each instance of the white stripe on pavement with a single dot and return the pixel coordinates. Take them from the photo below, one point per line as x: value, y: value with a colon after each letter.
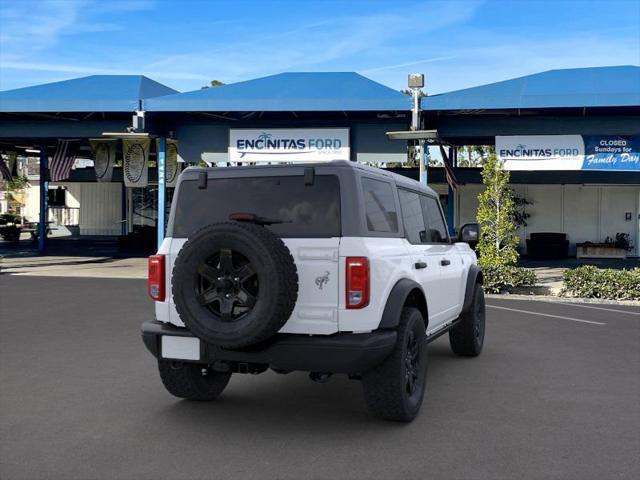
x: 546, y: 315
x: 597, y: 308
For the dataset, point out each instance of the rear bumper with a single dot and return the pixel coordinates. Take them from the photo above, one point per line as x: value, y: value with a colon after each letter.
x: 350, y: 353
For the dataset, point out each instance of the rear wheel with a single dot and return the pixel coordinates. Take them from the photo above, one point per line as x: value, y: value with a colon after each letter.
x: 192, y: 381
x: 394, y: 389
x: 467, y: 337
x: 234, y: 284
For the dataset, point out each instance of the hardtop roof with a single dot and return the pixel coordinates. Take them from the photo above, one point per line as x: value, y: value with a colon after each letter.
x: 298, y: 168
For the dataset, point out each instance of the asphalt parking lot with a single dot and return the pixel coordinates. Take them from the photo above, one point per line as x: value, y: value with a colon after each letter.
x: 555, y: 394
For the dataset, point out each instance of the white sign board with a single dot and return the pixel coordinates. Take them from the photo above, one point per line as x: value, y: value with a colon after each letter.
x: 541, y: 152
x: 289, y: 145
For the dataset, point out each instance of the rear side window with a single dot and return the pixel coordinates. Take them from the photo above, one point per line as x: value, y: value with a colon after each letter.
x: 380, y: 206
x: 412, y: 217
x: 305, y: 210
x: 436, y: 228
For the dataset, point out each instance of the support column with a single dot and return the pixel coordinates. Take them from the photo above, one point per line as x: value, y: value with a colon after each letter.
x: 44, y: 199
x: 124, y: 231
x: 453, y: 158
x: 162, y: 187
x: 424, y: 159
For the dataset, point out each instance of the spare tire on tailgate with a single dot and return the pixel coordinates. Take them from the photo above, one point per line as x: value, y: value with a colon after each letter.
x: 234, y: 284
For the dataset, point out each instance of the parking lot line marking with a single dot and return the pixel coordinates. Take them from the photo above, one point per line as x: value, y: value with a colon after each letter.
x: 598, y: 308
x: 547, y: 315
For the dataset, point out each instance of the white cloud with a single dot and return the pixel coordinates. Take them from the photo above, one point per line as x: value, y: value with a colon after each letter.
x: 408, y: 64
x: 89, y: 70
x: 500, y: 57
x: 314, y: 46
x: 436, y: 37
x: 31, y: 27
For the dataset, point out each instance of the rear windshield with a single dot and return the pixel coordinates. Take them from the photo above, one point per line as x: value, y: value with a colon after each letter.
x: 305, y: 210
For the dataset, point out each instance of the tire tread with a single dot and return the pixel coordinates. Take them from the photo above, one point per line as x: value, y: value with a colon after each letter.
x: 383, y: 384
x: 462, y: 336
x: 184, y: 383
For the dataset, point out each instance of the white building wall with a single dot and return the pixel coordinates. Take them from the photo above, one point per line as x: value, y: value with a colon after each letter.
x: 32, y: 202
x: 615, y: 203
x: 73, y: 194
x: 100, y: 208
x: 583, y: 212
x: 546, y: 210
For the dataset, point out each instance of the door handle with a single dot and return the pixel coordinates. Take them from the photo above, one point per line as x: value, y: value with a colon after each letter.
x: 445, y: 262
x: 419, y: 265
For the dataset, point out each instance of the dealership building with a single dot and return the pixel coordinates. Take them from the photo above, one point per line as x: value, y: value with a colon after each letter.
x: 571, y: 139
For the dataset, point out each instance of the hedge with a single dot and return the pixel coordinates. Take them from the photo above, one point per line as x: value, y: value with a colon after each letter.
x: 499, y: 278
x: 591, y: 282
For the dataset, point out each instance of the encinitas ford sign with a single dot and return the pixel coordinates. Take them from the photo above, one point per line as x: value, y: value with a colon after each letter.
x: 541, y: 152
x: 289, y: 145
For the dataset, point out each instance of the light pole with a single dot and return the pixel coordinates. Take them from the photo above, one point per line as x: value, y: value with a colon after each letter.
x: 416, y: 83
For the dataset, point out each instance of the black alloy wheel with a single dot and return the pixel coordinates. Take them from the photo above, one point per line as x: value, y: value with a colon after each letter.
x: 394, y: 389
x: 234, y: 284
x: 467, y: 337
x: 412, y: 362
x: 479, y: 320
x: 227, y: 284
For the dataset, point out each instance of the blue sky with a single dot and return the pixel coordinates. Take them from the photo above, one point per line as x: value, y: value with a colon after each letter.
x: 184, y: 44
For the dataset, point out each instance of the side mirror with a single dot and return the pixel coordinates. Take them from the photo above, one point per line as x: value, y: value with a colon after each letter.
x: 469, y: 233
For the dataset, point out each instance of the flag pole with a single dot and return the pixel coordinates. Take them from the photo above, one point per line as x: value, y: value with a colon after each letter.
x: 453, y: 156
x: 44, y: 199
x: 162, y: 187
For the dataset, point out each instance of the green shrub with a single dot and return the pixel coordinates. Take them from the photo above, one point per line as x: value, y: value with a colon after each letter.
x: 592, y: 282
x: 500, y: 277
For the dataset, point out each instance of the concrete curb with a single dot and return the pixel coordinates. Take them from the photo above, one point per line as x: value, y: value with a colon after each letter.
x: 555, y: 299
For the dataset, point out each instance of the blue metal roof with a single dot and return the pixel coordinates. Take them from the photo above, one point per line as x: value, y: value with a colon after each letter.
x: 96, y: 93
x: 577, y: 87
x: 307, y: 91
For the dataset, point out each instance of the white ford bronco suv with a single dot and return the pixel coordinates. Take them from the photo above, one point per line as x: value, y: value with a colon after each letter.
x: 326, y: 268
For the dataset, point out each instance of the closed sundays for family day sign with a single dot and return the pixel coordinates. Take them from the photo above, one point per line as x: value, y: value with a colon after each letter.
x: 289, y: 145
x: 569, y: 152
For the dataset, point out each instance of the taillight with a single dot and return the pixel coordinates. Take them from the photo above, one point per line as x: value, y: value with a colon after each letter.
x: 156, y: 277
x: 357, y: 282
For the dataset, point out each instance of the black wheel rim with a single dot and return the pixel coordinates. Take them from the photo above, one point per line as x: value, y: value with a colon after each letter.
x: 478, y: 321
x: 412, y: 363
x: 227, y: 285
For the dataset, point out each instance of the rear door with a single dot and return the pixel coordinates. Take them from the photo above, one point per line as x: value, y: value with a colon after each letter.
x: 450, y: 261
x: 307, y: 219
x: 425, y: 259
x: 316, y: 311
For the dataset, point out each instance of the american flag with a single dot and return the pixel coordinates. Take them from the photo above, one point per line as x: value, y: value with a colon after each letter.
x: 4, y: 170
x: 62, y: 161
x: 448, y: 170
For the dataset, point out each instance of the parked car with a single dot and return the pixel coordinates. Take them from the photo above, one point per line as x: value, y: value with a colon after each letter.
x: 332, y: 268
x: 10, y: 227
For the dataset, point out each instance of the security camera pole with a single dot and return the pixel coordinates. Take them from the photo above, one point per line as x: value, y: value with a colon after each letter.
x: 416, y: 83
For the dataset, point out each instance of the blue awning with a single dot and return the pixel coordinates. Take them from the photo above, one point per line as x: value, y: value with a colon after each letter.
x: 96, y: 93
x: 577, y: 87
x: 288, y: 92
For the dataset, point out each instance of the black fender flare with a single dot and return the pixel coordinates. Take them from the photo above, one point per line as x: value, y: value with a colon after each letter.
x: 400, y: 294
x: 474, y: 276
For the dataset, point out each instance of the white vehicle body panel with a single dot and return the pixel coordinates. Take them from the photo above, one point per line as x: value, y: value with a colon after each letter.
x: 321, y: 262
x: 321, y: 305
x: 388, y: 262
x: 317, y: 261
